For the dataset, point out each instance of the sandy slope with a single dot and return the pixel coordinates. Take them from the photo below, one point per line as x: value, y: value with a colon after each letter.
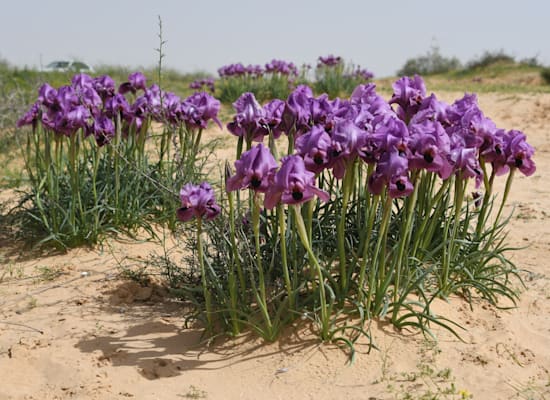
x: 87, y: 334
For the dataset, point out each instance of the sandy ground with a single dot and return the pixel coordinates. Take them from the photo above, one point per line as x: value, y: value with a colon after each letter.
x: 84, y: 333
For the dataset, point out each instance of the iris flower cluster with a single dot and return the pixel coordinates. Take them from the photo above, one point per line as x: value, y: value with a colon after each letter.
x: 201, y: 84
x: 418, y: 133
x: 374, y: 190
x: 92, y: 104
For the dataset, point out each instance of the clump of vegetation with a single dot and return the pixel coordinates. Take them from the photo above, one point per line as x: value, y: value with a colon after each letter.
x: 357, y: 207
x: 545, y: 75
x: 433, y: 62
x: 489, y: 58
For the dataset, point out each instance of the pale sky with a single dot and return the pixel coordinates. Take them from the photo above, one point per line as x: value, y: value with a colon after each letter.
x: 206, y: 34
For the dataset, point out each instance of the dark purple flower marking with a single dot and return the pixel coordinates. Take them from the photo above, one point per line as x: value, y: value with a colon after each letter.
x: 105, y: 86
x: 199, y: 108
x: 392, y: 172
x: 197, y: 201
x: 246, y: 122
x: 293, y: 184
x: 408, y: 94
x: 430, y: 146
x: 519, y: 153
x: 465, y: 162
x: 116, y: 105
x: 272, y: 114
x: 31, y: 117
x: 346, y: 141
x: 254, y: 170
x: 314, y: 147
x: 136, y: 81
x: 103, y: 130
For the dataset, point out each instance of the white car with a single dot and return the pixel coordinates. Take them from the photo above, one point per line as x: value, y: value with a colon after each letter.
x: 64, y: 66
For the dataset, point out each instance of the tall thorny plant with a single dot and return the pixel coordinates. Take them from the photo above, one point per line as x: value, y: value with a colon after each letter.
x: 368, y: 215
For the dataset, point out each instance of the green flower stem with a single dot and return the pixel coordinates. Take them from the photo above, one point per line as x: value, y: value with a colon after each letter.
x: 273, y: 145
x: 236, y: 264
x: 347, y: 187
x: 482, y: 216
x: 450, y: 246
x: 291, y: 135
x: 366, y: 200
x: 96, y: 156
x: 325, y: 311
x: 236, y: 257
x: 406, y: 227
x: 434, y: 203
x: 118, y: 135
x: 196, y: 146
x: 379, y: 256
x: 206, y: 290
x: 284, y: 261
x: 372, y: 211
x: 504, y: 196
x: 74, y: 180
x: 310, y: 207
x: 262, y: 295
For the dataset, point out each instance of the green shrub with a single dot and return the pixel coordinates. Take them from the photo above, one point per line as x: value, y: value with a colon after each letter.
x: 545, y: 75
x: 430, y: 63
x: 489, y: 58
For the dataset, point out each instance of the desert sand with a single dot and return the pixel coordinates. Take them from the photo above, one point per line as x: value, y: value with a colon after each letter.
x: 72, y: 328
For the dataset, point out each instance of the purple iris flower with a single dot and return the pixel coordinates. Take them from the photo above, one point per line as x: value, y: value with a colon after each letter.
x: 232, y: 70
x: 197, y: 201
x: 254, y: 170
x: 365, y: 97
x: 198, y: 109
x: 329, y: 61
x: 430, y: 146
x: 247, y: 120
x: 272, y: 115
x: 434, y: 109
x: 293, y: 184
x: 139, y: 111
x: 91, y: 99
x: 201, y: 83
x: 136, y: 81
x: 297, y: 111
x: 346, y: 141
x: 171, y: 104
x: 115, y: 105
x: 519, y: 152
x: 47, y: 95
x: 67, y: 123
x: 465, y: 161
x: 104, y: 86
x: 31, y: 117
x: 457, y: 110
x: 80, y: 81
x: 492, y: 151
x: 391, y: 171
x: 66, y: 99
x: 363, y: 74
x: 474, y: 127
x: 153, y: 96
x: 322, y: 112
x: 281, y: 67
x: 103, y: 130
x: 314, y: 147
x: 408, y: 94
